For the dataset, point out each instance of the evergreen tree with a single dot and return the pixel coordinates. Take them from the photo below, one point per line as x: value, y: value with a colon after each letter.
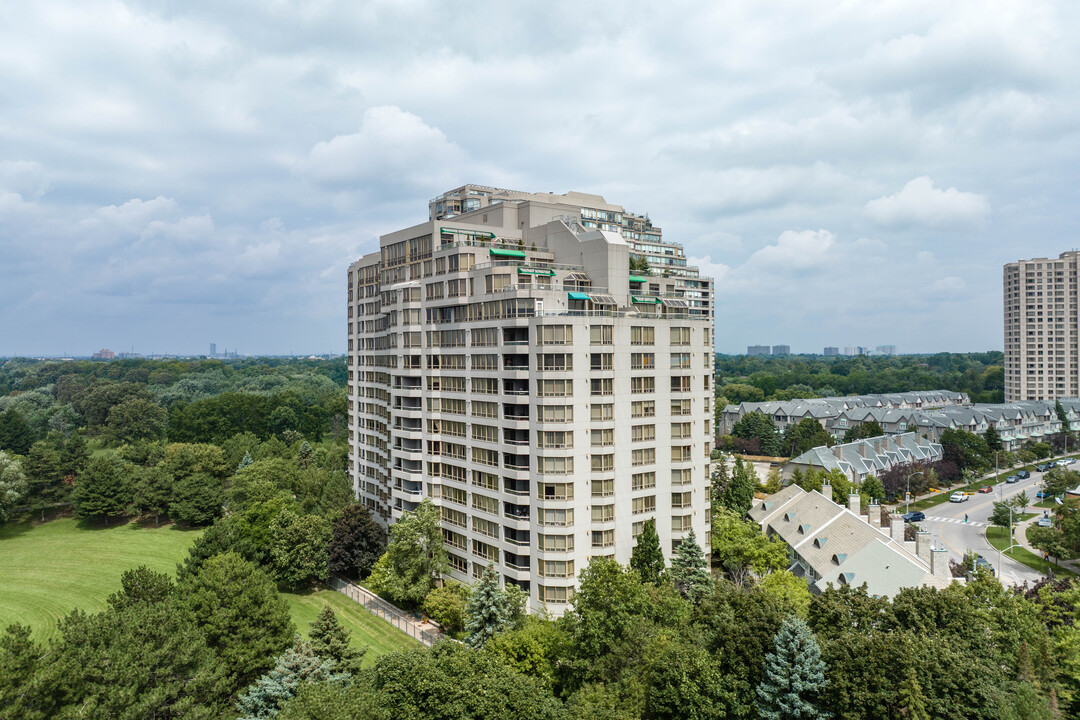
x: 330, y: 641
x: 794, y: 675
x: 647, y: 557
x: 993, y: 440
x: 296, y: 666
x: 690, y: 571
x: 758, y: 425
x: 244, y: 461
x: 104, y: 489
x: 720, y: 477
x: 488, y: 612
x: 73, y: 456
x: 45, y: 478
x: 12, y: 484
x: 1062, y: 417
x: 911, y: 699
x: 739, y: 493
x: 305, y: 456
x: 15, y: 434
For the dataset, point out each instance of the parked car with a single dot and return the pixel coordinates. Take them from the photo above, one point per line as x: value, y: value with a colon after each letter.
x: 1043, y: 467
x: 1023, y: 474
x: 981, y: 562
x: 1043, y: 494
x: 1012, y: 479
x: 958, y: 497
x: 1066, y: 462
x: 986, y: 489
x: 914, y: 516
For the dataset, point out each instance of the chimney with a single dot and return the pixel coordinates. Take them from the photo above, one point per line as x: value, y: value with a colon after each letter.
x: 862, y: 448
x: 922, y: 546
x: 896, y: 528
x: 873, y: 514
x: 826, y: 490
x: 939, y: 564
x: 837, y: 452
x: 853, y: 501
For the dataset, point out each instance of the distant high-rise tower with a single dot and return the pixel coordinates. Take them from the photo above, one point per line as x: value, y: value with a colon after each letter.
x: 886, y: 349
x: 781, y: 349
x: 832, y: 351
x: 213, y: 349
x: 1040, y: 302
x: 758, y: 349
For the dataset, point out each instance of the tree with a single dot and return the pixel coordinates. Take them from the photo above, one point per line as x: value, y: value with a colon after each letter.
x: 863, y: 431
x: 993, y: 440
x: 356, y: 543
x: 805, y: 435
x: 153, y: 491
x: 741, y: 548
x: 487, y: 612
x: 332, y: 701
x: 415, y: 555
x: 446, y: 606
x: 296, y: 666
x: 330, y: 641
x: 104, y: 489
x: 1062, y: 416
x: 141, y: 585
x: 1021, y: 501
x: 244, y: 461
x: 195, y: 499
x: 298, y: 548
x: 794, y: 675
x: 647, y: 557
x: 738, y: 496
x: 15, y: 434
x: 689, y: 570
x: 791, y: 592
x: 872, y: 488
x: 758, y: 426
x: 44, y: 474
x: 12, y: 485
x: 1002, y: 516
x: 244, y: 620
x: 911, y: 699
x: 136, y: 419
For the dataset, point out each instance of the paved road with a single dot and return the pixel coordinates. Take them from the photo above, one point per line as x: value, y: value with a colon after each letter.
x: 946, y: 523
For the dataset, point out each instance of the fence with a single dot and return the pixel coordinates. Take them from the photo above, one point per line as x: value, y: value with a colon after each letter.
x: 377, y: 606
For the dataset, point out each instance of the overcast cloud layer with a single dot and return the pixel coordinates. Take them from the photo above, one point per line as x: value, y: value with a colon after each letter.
x: 176, y: 173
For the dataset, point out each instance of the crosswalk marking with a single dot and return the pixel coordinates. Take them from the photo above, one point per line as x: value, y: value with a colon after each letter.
x: 958, y: 521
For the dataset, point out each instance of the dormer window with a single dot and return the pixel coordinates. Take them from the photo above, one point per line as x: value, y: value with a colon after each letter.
x: 820, y: 542
x: 839, y: 558
x: 803, y: 529
x: 789, y: 516
x: 846, y: 578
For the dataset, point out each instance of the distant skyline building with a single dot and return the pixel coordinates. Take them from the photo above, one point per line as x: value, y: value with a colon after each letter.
x: 1040, y: 307
x: 505, y: 363
x: 831, y: 351
x: 758, y: 350
x: 213, y: 350
x: 781, y: 349
x: 104, y: 354
x: 886, y: 349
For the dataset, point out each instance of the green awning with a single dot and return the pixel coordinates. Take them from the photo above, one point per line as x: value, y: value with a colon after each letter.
x: 578, y: 296
x: 535, y: 271
x: 501, y: 252
x: 636, y: 278
x: 647, y: 300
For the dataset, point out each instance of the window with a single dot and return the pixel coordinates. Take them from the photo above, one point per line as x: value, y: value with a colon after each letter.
x: 680, y: 523
x: 681, y: 499
x: 644, y: 456
x: 555, y: 491
x: 642, y: 361
x: 680, y: 453
x: 602, y: 386
x: 555, y: 439
x: 555, y: 361
x: 600, y: 334
x: 487, y: 433
x: 680, y: 383
x: 640, y: 385
x: 556, y: 335
x: 555, y: 543
x: 603, y: 538
x: 455, y: 540
x: 680, y: 407
x: 455, y: 495
x: 555, y: 465
x: 603, y: 463
x: 602, y: 438
x: 681, y: 477
x: 600, y: 413
x: 643, y: 481
x: 437, y: 383
x: 556, y: 518
x: 446, y: 427
x: 485, y: 503
x: 642, y: 433
x: 485, y: 362
x: 680, y: 361
x: 459, y: 564
x: 554, y: 595
x: 600, y: 361
x: 486, y: 480
x: 496, y: 283
x: 485, y: 337
x: 680, y: 430
x: 603, y: 513
x: 486, y: 551
x: 603, y: 488
x: 680, y: 336
x: 644, y: 504
x: 454, y: 517
x: 555, y: 568
x: 485, y: 409
x: 643, y: 408
x: 556, y: 388
x: 555, y: 413
x: 484, y: 386
x: 485, y: 456
x: 642, y: 335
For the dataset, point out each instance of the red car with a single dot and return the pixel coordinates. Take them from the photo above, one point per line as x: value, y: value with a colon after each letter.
x: 986, y: 489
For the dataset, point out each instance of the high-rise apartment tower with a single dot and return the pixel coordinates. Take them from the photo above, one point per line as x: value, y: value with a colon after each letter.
x: 505, y: 363
x: 1040, y: 298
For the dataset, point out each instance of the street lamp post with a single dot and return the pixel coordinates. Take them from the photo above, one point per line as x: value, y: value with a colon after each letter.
x: 907, y: 490
x: 1011, y: 543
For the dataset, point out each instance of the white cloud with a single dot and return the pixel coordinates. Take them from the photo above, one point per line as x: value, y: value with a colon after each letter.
x: 921, y: 204
x: 24, y: 178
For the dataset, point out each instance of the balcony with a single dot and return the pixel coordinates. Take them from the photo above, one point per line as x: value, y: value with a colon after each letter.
x: 516, y: 412
x: 516, y: 462
x: 516, y: 387
x: 517, y: 537
x: 515, y: 486
x: 513, y: 511
x: 516, y: 362
x: 517, y: 562
x: 516, y: 336
x: 516, y: 437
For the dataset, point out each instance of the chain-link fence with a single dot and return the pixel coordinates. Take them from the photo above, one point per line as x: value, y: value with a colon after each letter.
x: 391, y: 614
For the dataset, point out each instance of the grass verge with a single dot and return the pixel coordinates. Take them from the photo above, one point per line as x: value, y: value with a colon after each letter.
x: 999, y: 539
x: 47, y: 570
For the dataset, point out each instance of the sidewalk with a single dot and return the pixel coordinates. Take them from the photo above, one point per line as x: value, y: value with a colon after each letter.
x: 1020, y: 535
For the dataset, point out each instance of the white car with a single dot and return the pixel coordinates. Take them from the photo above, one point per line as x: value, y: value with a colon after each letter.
x: 1066, y: 462
x: 958, y: 497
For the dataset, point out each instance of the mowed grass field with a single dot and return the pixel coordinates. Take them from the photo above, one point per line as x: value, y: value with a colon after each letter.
x: 47, y: 570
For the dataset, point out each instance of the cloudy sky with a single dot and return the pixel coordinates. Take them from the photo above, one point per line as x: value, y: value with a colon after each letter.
x: 175, y: 173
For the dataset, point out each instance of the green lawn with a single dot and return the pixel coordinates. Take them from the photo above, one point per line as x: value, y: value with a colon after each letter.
x: 999, y: 538
x: 47, y: 570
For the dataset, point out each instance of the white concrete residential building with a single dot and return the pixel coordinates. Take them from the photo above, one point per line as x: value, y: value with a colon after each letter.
x: 505, y: 363
x: 1040, y: 302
